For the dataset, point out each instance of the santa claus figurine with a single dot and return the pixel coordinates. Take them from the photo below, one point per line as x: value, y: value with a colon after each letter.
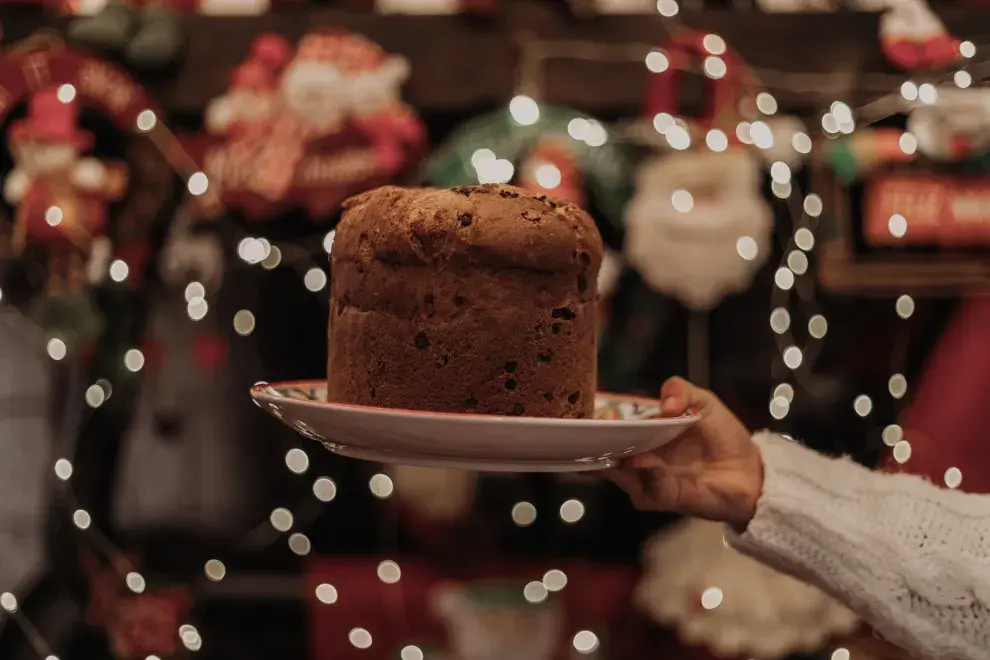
x: 60, y: 197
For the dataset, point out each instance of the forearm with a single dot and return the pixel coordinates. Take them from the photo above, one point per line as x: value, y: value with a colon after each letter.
x: 911, y: 559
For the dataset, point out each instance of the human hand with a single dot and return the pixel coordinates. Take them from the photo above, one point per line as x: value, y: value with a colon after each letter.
x: 713, y: 470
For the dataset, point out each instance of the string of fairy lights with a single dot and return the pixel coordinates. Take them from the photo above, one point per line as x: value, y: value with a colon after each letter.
x: 805, y: 210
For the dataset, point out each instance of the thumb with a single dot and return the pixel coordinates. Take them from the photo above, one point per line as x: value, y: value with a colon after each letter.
x: 679, y: 396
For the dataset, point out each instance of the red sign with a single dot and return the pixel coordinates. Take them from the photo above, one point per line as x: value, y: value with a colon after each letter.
x: 913, y: 209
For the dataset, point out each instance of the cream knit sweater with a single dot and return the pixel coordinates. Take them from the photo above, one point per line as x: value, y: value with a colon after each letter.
x: 912, y: 559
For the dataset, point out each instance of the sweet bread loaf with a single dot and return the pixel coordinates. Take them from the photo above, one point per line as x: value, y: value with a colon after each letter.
x: 474, y: 299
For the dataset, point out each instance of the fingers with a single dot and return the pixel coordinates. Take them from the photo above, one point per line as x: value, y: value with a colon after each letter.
x: 631, y: 482
x: 678, y: 396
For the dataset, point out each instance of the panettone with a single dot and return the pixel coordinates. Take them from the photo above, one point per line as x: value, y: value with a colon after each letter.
x: 476, y: 299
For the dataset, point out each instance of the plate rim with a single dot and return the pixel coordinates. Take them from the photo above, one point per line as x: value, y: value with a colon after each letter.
x: 258, y: 393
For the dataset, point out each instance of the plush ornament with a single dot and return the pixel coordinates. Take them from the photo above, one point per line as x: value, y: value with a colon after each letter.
x: 956, y: 126
x: 856, y: 156
x: 312, y: 129
x: 60, y: 200
x: 913, y: 37
x: 732, y: 604
x: 698, y: 228
x: 435, y: 495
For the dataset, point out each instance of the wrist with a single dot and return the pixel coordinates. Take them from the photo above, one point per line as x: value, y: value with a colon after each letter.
x: 751, y: 488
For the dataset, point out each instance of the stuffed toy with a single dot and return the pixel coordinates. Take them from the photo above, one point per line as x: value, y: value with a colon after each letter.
x: 730, y: 603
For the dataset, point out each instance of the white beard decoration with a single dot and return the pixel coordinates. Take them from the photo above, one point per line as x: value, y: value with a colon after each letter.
x: 730, y: 603
x: 374, y: 91
x: 698, y: 228
x: 319, y: 94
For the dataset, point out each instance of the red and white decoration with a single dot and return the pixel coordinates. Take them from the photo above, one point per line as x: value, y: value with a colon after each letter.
x: 698, y: 228
x: 60, y: 195
x: 955, y: 126
x: 730, y: 603
x: 913, y: 37
x: 311, y: 125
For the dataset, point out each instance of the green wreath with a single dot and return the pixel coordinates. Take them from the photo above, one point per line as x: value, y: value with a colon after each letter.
x: 606, y: 168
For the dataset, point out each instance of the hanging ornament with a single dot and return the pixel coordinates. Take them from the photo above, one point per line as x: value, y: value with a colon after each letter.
x: 546, y: 148
x: 148, y: 32
x: 955, y: 125
x: 913, y: 37
x: 702, y: 93
x: 309, y: 127
x: 730, y: 603
x: 698, y: 227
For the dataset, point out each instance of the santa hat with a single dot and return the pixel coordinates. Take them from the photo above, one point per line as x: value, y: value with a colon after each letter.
x: 253, y: 76
x: 51, y: 120
x: 351, y: 53
x: 944, y: 429
x: 913, y: 38
x: 273, y: 51
x: 729, y: 87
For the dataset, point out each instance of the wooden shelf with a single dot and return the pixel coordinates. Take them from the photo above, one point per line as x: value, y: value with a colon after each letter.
x: 460, y: 63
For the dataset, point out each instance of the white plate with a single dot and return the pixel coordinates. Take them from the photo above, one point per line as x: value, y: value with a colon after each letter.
x: 623, y: 426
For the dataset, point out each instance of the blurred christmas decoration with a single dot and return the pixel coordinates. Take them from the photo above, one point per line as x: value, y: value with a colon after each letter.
x: 954, y: 126
x: 556, y: 150
x: 857, y: 156
x: 698, y: 227
x: 428, y: 7
x: 139, y: 622
x: 914, y: 38
x: 433, y: 494
x: 514, y: 610
x: 148, y: 32
x: 310, y: 126
x: 60, y: 196
x: 191, y: 254
x: 485, y: 620
x: 730, y: 603
x: 939, y: 436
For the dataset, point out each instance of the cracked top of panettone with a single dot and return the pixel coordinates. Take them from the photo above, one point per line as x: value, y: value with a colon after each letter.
x: 484, y: 226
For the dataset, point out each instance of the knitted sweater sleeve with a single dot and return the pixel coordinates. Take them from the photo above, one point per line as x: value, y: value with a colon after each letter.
x: 910, y: 558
